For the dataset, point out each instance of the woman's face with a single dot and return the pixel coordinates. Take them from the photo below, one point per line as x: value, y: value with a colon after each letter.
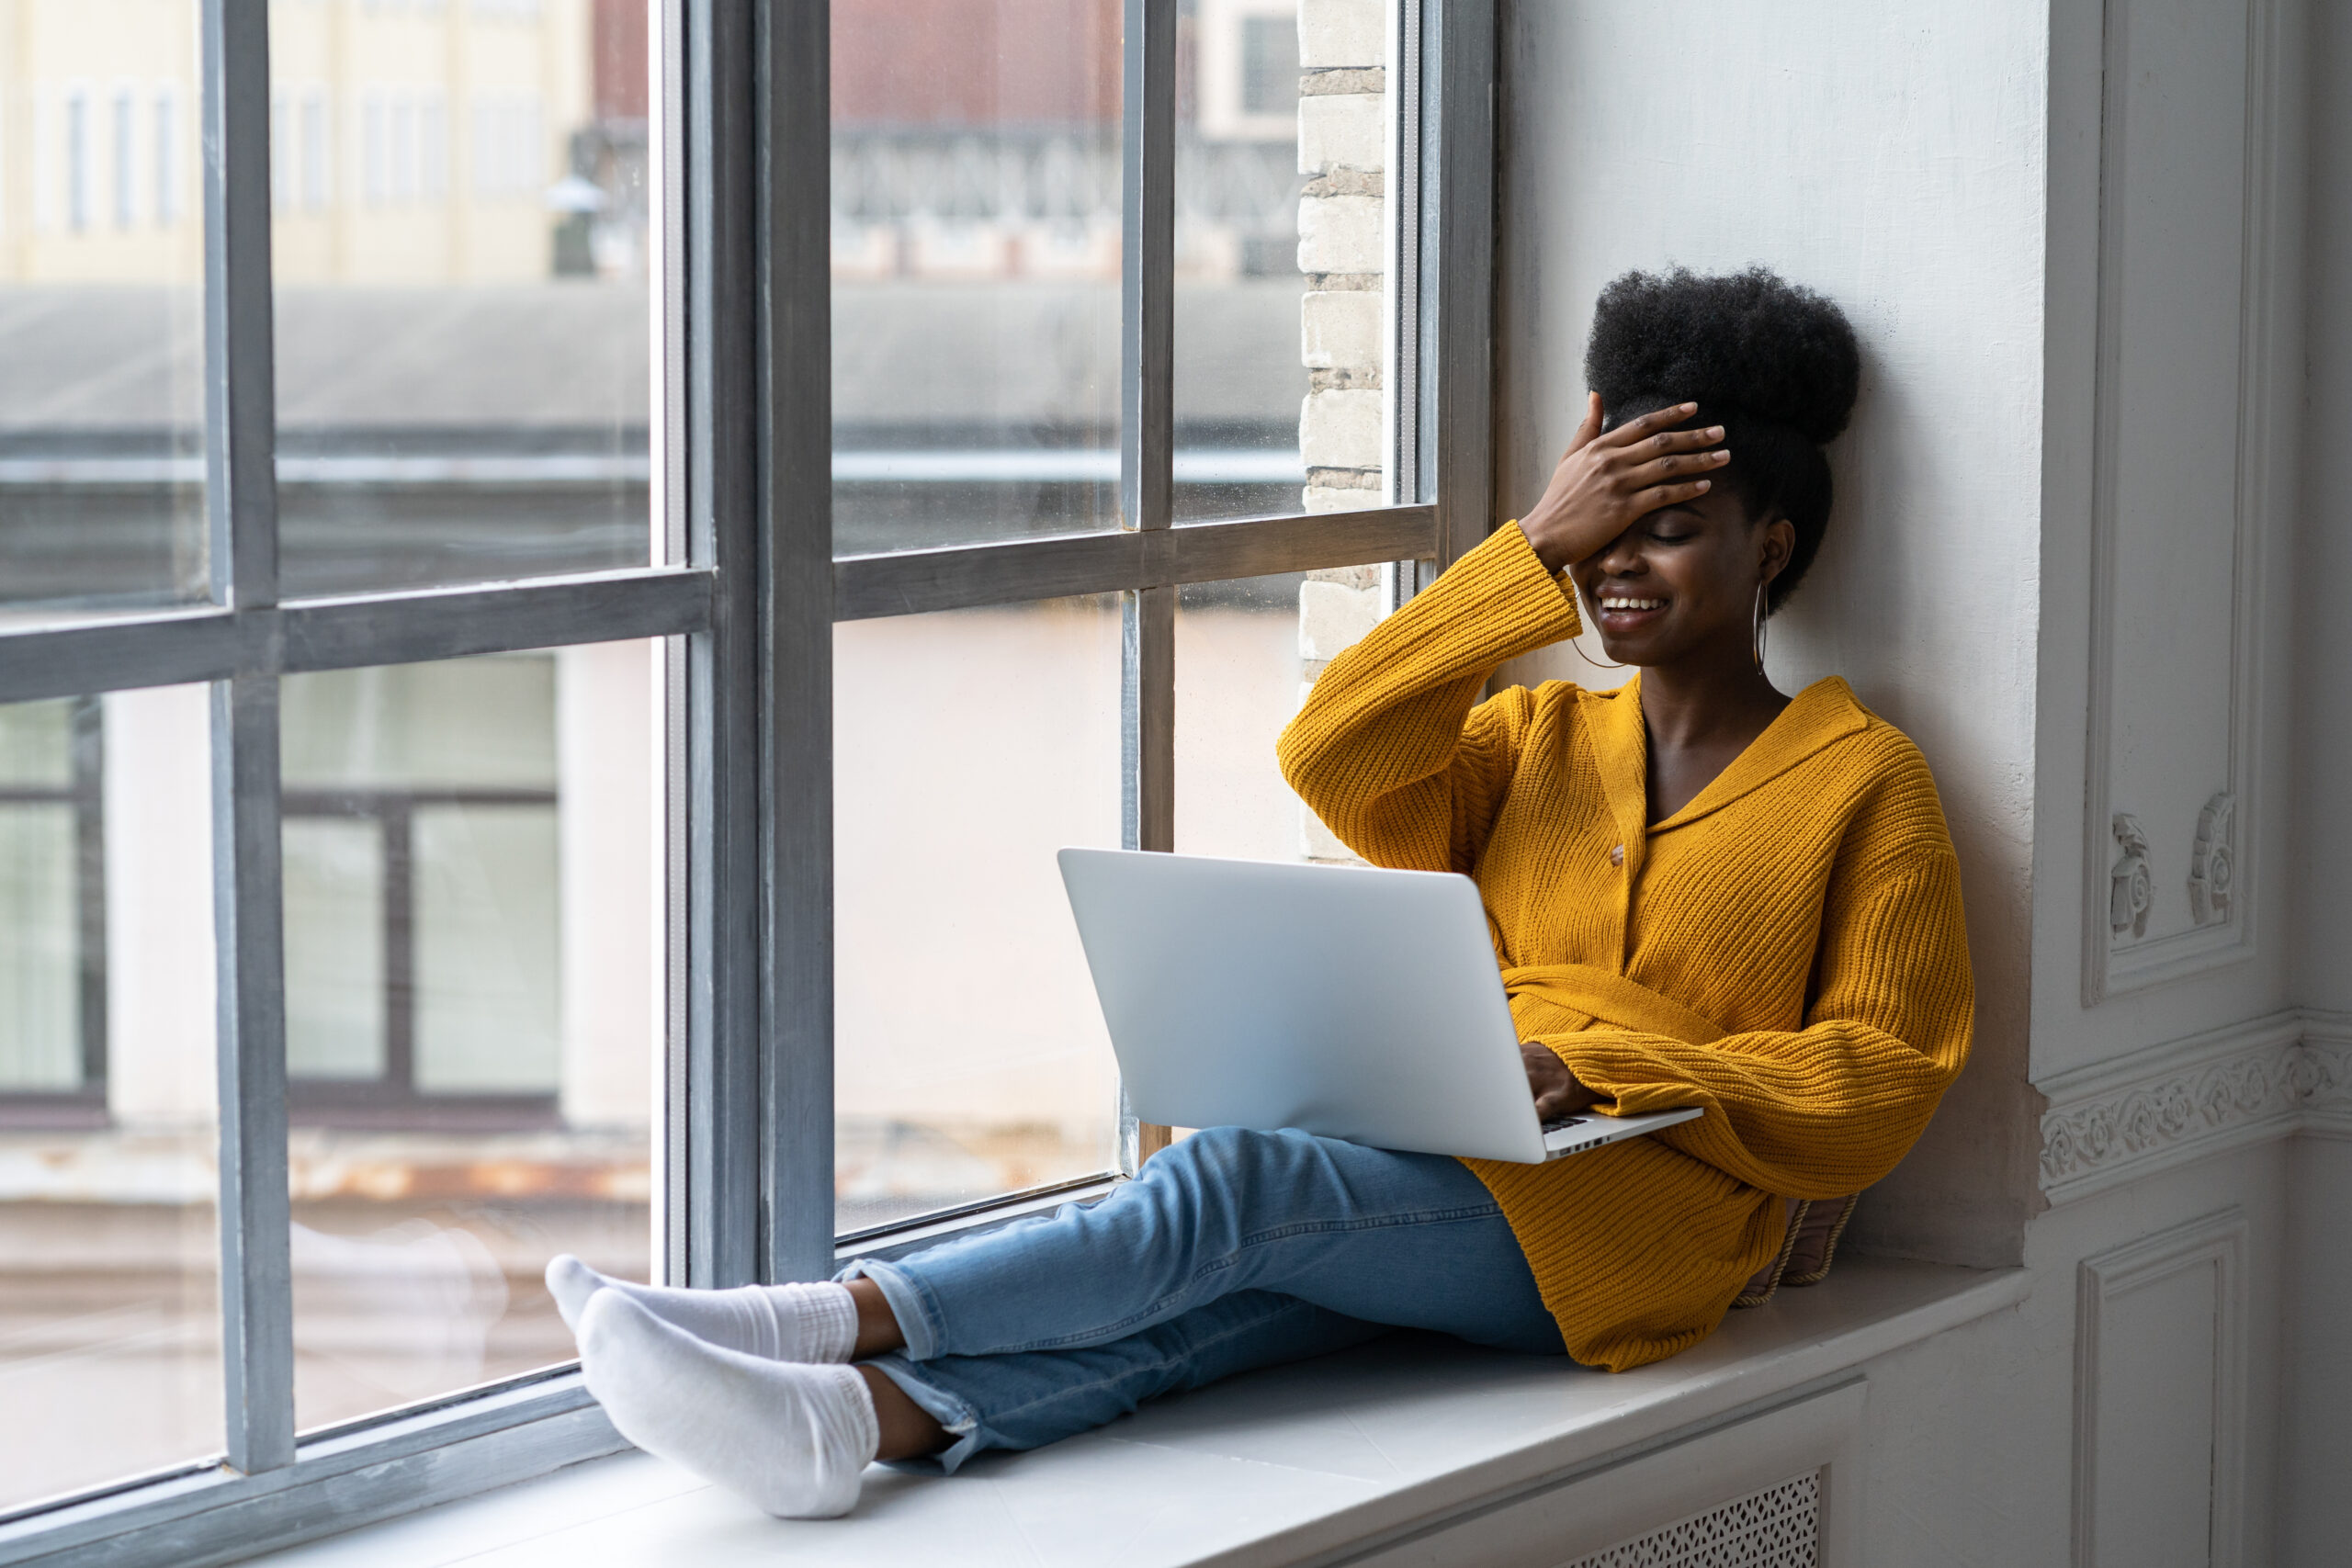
x: 1681, y: 582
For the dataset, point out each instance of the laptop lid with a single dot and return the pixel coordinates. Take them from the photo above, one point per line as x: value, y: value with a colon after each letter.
x: 1356, y: 1003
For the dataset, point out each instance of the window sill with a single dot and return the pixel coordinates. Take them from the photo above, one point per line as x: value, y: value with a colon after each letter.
x: 1274, y: 1467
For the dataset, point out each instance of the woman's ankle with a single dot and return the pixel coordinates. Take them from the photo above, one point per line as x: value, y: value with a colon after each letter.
x: 908, y: 1430
x: 878, y: 1327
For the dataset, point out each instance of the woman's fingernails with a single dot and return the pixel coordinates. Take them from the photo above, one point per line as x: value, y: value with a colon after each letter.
x: 1706, y: 484
x: 1721, y: 453
x: 1715, y: 432
x: 1688, y: 408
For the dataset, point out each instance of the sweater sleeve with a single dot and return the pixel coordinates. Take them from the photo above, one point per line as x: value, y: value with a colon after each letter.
x: 1828, y: 1109
x: 1388, y: 750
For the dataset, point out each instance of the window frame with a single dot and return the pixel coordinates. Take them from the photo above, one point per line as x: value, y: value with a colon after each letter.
x: 743, y: 460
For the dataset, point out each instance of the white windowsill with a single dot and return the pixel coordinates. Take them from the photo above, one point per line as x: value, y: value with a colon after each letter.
x: 1269, y: 1468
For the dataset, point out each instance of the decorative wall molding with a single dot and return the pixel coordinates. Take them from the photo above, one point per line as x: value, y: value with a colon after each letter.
x: 2214, y: 1246
x: 2130, y: 885
x: 2121, y: 959
x: 2193, y: 1099
x: 2212, y: 864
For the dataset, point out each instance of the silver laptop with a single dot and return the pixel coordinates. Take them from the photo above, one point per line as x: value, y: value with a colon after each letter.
x: 1344, y: 1001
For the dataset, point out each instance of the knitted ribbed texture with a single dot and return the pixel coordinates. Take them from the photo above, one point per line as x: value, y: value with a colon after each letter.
x: 1787, y: 950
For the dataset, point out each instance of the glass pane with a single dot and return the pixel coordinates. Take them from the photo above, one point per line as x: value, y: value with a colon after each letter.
x: 474, y: 981
x: 334, y: 948
x: 971, y: 1058
x: 109, y: 1312
x: 101, y: 311
x: 463, y: 327
x: 1282, y: 246
x: 976, y: 270
x: 488, y: 980
x: 1246, y: 652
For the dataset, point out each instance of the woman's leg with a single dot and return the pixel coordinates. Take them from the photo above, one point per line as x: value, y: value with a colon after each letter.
x: 1027, y: 1399
x: 1400, y: 1239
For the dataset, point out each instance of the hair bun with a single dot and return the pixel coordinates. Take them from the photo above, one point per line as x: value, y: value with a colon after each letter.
x: 1749, y: 339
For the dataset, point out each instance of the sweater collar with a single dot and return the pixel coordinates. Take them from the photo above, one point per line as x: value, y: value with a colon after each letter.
x: 1821, y: 715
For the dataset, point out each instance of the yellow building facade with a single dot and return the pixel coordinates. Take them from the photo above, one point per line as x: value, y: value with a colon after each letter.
x: 413, y: 141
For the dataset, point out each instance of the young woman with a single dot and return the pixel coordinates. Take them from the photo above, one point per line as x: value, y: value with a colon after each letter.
x: 1701, y: 891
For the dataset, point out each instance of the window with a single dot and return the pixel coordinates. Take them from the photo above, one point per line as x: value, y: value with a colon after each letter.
x: 79, y: 174
x: 167, y: 156
x: 53, y: 911
x: 315, y: 153
x: 422, y: 893
x: 432, y: 148
x: 403, y: 149
x: 552, y: 727
x: 282, y: 150
x: 375, y: 150
x: 126, y: 159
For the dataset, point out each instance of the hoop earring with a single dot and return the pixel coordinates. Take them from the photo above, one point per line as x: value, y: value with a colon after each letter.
x: 1588, y: 658
x: 1760, y: 627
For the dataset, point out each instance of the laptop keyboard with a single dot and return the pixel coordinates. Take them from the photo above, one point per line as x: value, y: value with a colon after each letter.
x: 1564, y: 1123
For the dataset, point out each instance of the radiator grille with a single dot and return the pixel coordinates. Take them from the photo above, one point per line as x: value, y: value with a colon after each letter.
x: 1777, y: 1527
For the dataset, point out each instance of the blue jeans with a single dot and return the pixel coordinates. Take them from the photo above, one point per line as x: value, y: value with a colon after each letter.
x: 1235, y: 1250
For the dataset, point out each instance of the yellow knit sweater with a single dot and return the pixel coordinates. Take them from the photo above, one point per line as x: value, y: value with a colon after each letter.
x: 1786, y: 951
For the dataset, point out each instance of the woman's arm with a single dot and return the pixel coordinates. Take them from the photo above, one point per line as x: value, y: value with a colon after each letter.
x: 1388, y: 750
x: 1826, y: 1110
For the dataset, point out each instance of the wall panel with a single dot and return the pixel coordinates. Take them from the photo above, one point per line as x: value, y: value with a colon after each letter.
x: 2159, y: 1399
x: 2178, y: 506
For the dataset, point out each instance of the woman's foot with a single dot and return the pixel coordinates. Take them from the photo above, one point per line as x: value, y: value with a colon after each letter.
x: 777, y: 1323
x: 795, y: 1439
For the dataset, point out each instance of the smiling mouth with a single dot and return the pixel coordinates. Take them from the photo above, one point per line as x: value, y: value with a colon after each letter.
x: 1625, y: 605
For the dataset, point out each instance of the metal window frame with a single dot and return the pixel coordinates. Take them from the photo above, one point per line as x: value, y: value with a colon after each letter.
x: 390, y: 1097
x: 750, y: 617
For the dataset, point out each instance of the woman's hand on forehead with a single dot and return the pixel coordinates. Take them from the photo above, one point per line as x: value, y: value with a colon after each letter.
x: 1607, y: 483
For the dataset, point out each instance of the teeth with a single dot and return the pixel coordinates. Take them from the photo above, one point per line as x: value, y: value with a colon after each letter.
x: 1633, y: 604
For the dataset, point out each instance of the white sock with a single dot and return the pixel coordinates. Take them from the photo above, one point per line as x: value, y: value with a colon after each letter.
x: 795, y: 1439
x: 777, y: 1323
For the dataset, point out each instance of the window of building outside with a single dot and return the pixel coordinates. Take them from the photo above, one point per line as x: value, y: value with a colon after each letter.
x: 483, y: 859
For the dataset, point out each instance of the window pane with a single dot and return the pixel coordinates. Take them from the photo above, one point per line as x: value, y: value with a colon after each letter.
x: 101, y: 313
x: 1246, y: 652
x: 474, y: 983
x: 1282, y: 155
x: 41, y: 1011
x: 976, y: 270
x: 334, y: 948
x: 488, y: 985
x: 970, y: 1057
x: 40, y: 901
x: 110, y: 1314
x: 463, y: 349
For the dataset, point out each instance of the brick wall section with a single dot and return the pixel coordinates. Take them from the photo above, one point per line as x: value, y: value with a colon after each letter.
x: 1342, y: 249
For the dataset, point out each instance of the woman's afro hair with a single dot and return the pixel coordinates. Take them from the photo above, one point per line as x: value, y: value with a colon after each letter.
x: 1775, y: 364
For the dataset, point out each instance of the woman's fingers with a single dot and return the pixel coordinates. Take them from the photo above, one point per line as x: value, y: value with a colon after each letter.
x: 1586, y: 428
x: 1658, y: 421
x: 1644, y: 503
x: 1673, y: 466
x: 1665, y: 444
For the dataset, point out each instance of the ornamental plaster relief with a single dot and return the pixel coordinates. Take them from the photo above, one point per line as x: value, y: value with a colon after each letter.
x: 2271, y: 1078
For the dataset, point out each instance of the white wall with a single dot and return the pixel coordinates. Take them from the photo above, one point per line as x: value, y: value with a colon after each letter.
x: 1891, y: 157
x: 2089, y: 550
x: 2321, y: 932
x: 160, y: 1069
x: 2316, y: 1437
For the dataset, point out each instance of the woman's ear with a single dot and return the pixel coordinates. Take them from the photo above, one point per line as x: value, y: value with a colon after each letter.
x: 1775, y: 541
